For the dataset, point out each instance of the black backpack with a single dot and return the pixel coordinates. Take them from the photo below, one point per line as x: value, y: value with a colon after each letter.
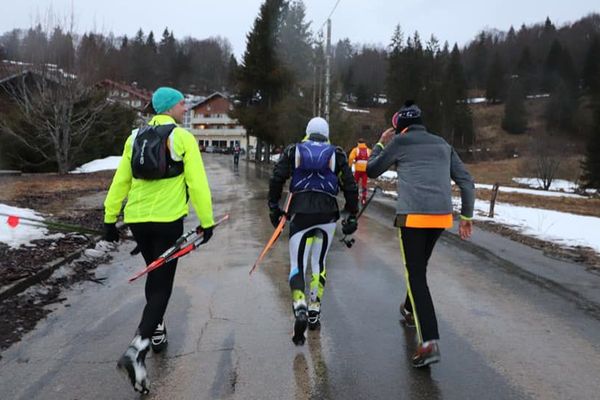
x: 150, y: 156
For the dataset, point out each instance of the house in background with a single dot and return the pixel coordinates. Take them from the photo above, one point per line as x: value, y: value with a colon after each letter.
x: 129, y: 95
x: 211, y: 124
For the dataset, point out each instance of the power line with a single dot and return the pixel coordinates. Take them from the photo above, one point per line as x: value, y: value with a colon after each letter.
x: 330, y: 14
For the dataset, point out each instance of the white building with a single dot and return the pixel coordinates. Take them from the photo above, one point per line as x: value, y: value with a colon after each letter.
x: 210, y: 122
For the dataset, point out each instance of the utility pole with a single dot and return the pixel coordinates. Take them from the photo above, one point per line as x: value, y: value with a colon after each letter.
x: 327, y: 69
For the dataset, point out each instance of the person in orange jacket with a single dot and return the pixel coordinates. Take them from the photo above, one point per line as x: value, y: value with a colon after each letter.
x: 359, y: 156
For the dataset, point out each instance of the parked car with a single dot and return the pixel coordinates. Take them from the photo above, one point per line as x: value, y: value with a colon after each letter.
x: 209, y: 149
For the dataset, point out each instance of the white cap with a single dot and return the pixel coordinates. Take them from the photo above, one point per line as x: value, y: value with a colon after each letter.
x: 318, y: 125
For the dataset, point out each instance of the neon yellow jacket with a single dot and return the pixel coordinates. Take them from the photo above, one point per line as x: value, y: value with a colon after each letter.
x: 162, y: 200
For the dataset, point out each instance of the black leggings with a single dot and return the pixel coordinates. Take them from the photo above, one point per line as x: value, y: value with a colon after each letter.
x: 153, y: 238
x: 417, y: 245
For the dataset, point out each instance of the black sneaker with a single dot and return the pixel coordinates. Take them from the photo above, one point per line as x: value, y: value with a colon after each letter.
x: 300, y: 325
x: 409, y: 319
x: 133, y: 366
x: 159, y: 338
x: 314, y: 316
x: 427, y: 353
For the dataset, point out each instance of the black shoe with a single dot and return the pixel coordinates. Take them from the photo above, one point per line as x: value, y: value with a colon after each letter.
x: 314, y: 316
x: 133, y: 366
x: 300, y: 325
x: 427, y: 353
x: 159, y: 340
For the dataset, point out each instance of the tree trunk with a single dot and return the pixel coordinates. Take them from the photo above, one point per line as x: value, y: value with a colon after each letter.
x: 268, y: 153
x: 257, y: 155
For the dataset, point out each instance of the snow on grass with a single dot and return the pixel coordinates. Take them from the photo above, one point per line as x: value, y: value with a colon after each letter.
x: 557, y: 184
x: 20, y: 233
x: 103, y: 164
x: 567, y: 187
x: 354, y: 110
x: 554, y: 226
x: 533, y: 192
x: 388, y: 176
x: 565, y: 229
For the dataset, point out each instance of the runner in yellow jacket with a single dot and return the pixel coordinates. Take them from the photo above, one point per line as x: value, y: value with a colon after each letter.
x: 154, y: 211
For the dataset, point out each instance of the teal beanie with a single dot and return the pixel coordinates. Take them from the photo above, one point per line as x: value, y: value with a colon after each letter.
x: 164, y: 98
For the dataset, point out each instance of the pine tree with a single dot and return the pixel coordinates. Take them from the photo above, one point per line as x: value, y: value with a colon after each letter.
x: 458, y: 122
x: 295, y: 44
x: 395, y: 72
x: 515, y: 114
x: 591, y: 163
x: 263, y: 78
x: 560, y: 110
x: 62, y: 52
x: 552, y: 67
x: 34, y: 47
x: 167, y: 57
x: 526, y: 70
x: 11, y: 42
x: 480, y: 61
x: 495, y: 82
x: 591, y: 67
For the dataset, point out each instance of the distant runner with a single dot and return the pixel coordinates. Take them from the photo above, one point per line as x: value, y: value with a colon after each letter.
x: 359, y: 156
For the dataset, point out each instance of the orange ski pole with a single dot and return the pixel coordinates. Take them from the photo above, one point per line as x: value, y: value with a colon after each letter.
x: 275, y: 235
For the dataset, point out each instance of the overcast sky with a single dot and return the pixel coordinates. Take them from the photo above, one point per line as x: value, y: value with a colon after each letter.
x: 363, y: 21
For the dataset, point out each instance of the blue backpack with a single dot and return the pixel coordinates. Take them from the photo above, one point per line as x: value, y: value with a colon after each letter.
x: 314, y: 168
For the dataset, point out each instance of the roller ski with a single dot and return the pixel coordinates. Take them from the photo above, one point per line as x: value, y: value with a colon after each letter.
x: 159, y: 341
x: 132, y: 364
x: 300, y: 324
x: 314, y: 316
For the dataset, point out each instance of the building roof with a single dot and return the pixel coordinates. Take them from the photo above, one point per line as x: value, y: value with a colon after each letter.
x: 208, y: 99
x: 138, y: 92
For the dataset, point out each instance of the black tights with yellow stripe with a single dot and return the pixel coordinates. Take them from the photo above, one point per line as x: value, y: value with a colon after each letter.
x: 417, y: 245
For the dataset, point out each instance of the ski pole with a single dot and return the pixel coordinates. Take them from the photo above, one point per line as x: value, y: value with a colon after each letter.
x: 275, y: 234
x: 179, y: 249
x: 350, y: 242
x: 14, y: 220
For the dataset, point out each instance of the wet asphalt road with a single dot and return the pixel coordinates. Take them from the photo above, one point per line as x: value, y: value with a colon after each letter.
x: 502, y: 337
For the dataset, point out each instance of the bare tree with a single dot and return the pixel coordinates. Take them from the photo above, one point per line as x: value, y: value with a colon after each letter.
x: 547, y: 161
x: 53, y: 117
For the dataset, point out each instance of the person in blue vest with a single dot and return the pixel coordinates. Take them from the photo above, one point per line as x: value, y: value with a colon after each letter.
x: 318, y: 170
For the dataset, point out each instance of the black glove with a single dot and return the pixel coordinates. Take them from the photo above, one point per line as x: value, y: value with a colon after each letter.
x: 207, y: 234
x: 111, y: 234
x: 275, y: 215
x: 349, y: 225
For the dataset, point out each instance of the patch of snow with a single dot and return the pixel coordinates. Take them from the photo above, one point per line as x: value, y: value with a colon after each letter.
x: 554, y: 226
x: 103, y: 164
x: 388, y: 176
x: 543, y: 193
x: 355, y: 110
x: 101, y: 248
x: 538, y: 96
x: 22, y: 232
x: 557, y: 184
x: 476, y: 100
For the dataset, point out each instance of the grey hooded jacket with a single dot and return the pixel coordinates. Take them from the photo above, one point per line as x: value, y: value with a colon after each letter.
x: 426, y: 164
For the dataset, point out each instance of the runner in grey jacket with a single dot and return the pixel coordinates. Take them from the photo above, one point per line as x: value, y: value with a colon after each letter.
x: 425, y: 164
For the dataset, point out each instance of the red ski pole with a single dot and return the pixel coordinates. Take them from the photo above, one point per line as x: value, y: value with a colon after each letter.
x: 179, y: 249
